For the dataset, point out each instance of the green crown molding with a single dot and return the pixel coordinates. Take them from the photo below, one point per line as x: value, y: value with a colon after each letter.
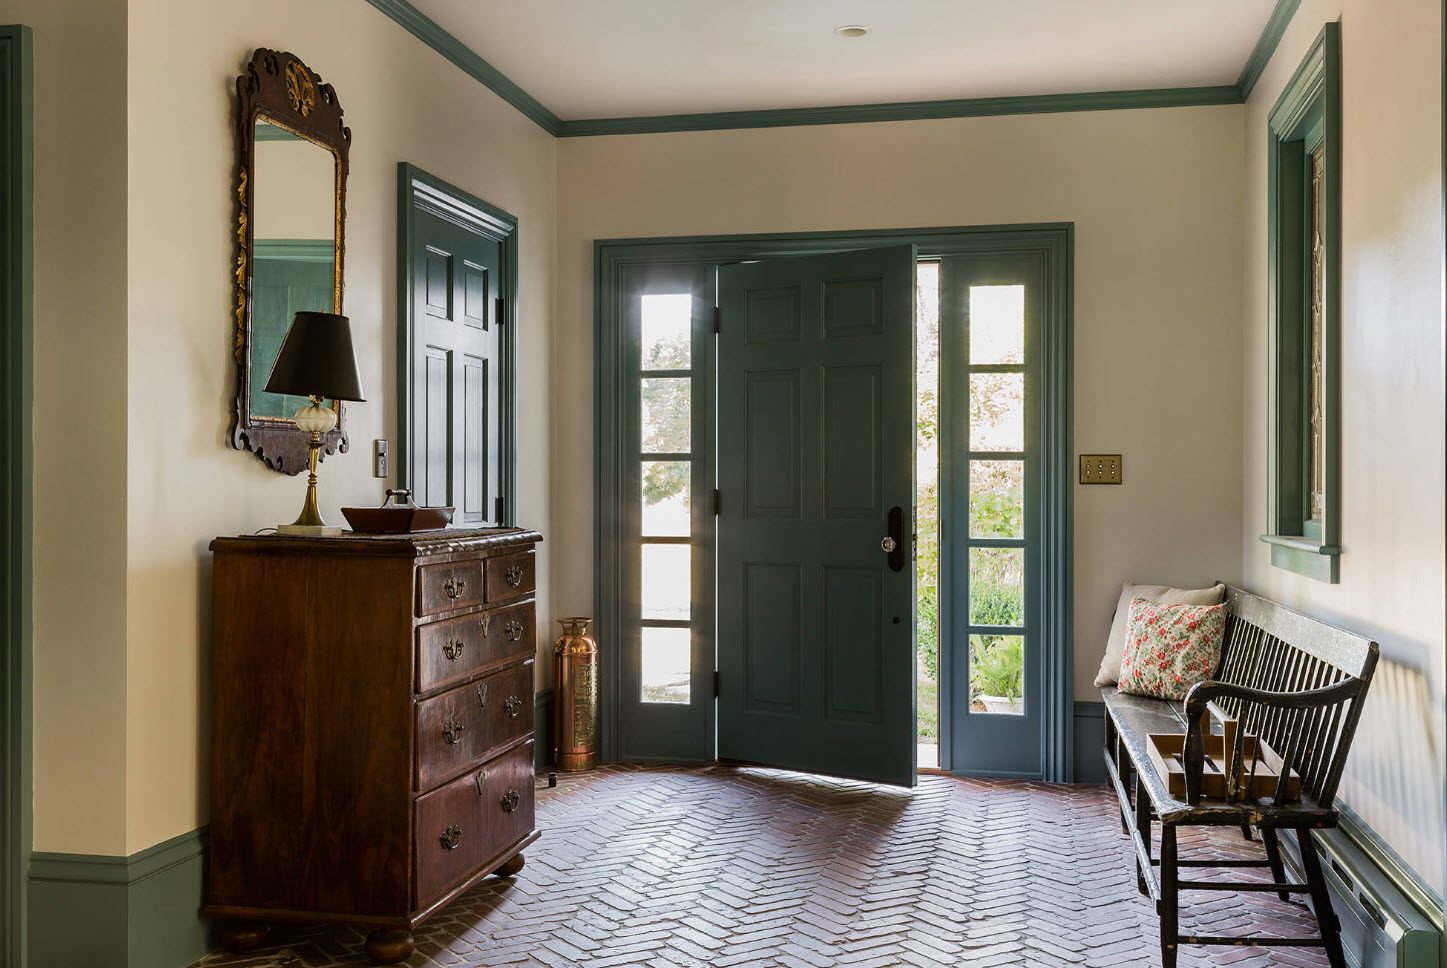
x: 1173, y: 97
x: 433, y: 35
x: 425, y: 29
x: 1266, y: 45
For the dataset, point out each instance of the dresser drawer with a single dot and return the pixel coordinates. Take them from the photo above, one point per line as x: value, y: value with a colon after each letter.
x: 458, y: 728
x: 453, y: 649
x: 449, y: 585
x: 449, y: 839
x: 510, y: 576
x: 507, y: 798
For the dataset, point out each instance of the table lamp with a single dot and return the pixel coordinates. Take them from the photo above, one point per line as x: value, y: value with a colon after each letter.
x: 316, y: 361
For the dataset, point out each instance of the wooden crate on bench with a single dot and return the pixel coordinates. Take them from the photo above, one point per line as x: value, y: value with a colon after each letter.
x: 1236, y: 766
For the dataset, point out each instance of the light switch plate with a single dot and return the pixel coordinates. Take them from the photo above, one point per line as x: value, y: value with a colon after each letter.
x: 379, y: 458
x: 1100, y: 469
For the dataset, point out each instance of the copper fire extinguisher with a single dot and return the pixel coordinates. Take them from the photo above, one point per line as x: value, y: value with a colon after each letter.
x: 575, y: 697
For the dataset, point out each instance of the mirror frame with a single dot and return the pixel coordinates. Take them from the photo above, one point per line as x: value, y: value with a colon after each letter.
x: 279, y: 88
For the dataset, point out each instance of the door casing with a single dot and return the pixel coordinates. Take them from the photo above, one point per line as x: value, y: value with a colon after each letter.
x: 16, y: 173
x: 1054, y: 242
x: 421, y: 193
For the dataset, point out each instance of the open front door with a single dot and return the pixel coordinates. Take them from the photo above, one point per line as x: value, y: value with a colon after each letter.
x: 816, y: 462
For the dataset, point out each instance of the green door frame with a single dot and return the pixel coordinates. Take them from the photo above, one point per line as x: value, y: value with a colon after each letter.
x: 613, y: 347
x: 421, y: 193
x: 16, y: 172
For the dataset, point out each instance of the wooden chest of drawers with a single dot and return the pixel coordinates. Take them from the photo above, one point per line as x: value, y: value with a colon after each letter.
x: 372, y: 737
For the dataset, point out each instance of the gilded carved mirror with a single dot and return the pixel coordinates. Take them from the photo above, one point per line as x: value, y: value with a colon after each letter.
x: 290, y: 195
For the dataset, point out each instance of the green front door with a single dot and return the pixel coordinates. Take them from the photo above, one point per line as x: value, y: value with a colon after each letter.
x: 815, y: 472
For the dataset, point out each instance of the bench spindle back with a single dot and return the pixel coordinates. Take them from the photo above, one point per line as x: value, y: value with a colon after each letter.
x: 1270, y: 648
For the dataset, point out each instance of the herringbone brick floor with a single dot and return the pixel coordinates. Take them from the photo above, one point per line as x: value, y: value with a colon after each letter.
x: 723, y: 866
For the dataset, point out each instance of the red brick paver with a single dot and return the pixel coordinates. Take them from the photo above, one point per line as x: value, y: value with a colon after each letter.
x: 723, y: 866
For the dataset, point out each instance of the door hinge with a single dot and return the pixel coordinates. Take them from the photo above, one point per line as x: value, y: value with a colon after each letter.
x: 500, y: 308
x: 717, y: 503
x: 717, y: 320
x: 715, y: 684
x: 499, y: 508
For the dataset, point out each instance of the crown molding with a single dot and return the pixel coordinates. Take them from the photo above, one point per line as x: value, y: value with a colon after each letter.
x: 428, y: 31
x: 1173, y: 97
x: 1266, y: 45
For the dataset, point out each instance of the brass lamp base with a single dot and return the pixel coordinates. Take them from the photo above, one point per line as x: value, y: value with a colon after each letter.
x: 318, y: 420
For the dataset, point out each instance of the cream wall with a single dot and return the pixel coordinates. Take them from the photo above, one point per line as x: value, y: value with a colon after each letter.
x: 402, y: 101
x: 133, y: 212
x: 1391, y: 385
x: 1156, y: 198
x: 79, y: 421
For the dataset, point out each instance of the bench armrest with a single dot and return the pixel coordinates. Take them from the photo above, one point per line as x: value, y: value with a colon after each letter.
x: 1194, y: 755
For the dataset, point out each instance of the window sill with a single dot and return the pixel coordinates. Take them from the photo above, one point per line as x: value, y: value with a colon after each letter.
x: 1305, y: 556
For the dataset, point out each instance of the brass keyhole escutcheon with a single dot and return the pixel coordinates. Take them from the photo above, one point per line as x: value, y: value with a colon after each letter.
x: 513, y: 630
x: 510, y: 801
x: 482, y: 694
x: 514, y: 706
x: 485, y: 624
x: 452, y: 648
x: 454, y: 586
x: 481, y: 781
x: 451, y: 837
x: 514, y: 576
x: 452, y: 732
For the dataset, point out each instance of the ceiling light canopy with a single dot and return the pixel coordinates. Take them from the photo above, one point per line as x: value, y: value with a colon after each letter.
x: 851, y: 30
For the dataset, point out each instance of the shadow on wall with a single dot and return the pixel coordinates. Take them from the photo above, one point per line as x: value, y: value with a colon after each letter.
x: 1393, y: 779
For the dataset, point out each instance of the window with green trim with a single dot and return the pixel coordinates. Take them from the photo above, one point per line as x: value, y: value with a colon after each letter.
x: 1304, y: 312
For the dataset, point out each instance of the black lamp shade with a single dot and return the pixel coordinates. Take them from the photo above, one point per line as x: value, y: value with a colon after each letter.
x: 316, y: 359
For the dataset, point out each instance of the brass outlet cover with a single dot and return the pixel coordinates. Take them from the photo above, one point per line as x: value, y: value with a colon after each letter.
x: 1100, y: 468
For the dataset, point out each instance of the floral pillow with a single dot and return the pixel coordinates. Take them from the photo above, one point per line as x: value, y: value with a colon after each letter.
x: 1170, y: 648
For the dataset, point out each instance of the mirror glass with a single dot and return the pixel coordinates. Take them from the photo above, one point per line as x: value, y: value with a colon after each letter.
x: 294, y: 226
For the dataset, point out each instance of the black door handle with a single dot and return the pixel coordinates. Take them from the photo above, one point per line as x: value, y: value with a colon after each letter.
x: 893, y: 544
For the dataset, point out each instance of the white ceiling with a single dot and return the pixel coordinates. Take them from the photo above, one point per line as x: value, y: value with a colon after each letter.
x: 618, y: 58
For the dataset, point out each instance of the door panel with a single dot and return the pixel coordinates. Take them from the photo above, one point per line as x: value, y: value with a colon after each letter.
x: 815, y: 444
x: 456, y: 426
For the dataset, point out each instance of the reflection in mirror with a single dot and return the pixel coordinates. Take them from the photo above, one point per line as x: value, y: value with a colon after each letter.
x: 294, y: 256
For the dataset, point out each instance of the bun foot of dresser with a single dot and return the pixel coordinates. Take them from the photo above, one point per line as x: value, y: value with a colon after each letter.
x: 512, y: 867
x: 387, y: 947
x: 239, y: 936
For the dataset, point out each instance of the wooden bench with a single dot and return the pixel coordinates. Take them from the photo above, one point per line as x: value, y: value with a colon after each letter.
x: 1296, y: 683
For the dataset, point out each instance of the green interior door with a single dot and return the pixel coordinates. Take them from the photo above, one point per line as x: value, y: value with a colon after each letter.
x: 455, y: 356
x: 815, y: 457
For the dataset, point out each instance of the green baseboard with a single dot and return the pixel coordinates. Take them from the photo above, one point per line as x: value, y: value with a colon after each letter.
x: 1087, y: 740
x: 141, y: 911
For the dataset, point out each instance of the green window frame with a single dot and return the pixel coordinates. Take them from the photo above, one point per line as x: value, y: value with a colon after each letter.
x: 1304, y: 420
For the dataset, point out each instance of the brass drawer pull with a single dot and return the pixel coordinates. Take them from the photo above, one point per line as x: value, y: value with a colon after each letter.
x: 452, y: 648
x: 482, y: 694
x: 514, y: 706
x: 481, y: 781
x: 510, y: 801
x: 451, y: 837
x: 454, y: 586
x: 514, y: 576
x: 452, y: 731
x: 513, y: 630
